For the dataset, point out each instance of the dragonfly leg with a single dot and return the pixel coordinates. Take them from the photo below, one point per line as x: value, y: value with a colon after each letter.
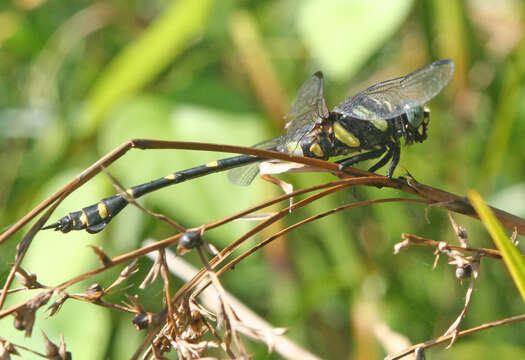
x: 396, y: 151
x: 344, y: 163
x: 383, y: 161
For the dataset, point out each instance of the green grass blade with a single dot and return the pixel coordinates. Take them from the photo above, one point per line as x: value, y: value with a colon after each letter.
x: 142, y: 60
x: 511, y: 255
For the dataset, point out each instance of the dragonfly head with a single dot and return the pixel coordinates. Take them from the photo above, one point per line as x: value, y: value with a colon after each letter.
x: 418, y: 118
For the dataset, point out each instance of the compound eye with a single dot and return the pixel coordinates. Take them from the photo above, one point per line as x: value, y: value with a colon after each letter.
x: 416, y: 116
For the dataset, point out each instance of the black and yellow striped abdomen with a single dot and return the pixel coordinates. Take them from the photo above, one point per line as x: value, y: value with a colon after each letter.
x: 95, y: 217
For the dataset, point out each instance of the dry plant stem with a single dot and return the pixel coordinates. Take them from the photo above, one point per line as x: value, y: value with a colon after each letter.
x: 22, y: 249
x: 101, y: 303
x: 442, y: 198
x: 461, y: 204
x: 418, y: 240
x: 131, y: 200
x: 283, y: 346
x: 442, y: 339
x: 438, y: 197
x: 21, y: 347
x: 145, y: 144
x: 212, y: 331
x: 234, y: 245
x: 147, y: 341
x: 286, y: 230
x: 228, y: 250
x: 165, y: 277
x: 454, y: 327
x: 69, y: 188
x: 173, y: 239
x: 230, y: 318
x: 188, y: 286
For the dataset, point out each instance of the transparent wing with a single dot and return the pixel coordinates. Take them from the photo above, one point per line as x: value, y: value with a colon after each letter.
x: 308, y: 107
x: 392, y: 98
x: 244, y: 175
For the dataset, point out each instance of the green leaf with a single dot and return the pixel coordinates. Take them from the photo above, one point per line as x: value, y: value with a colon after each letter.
x: 142, y: 60
x: 341, y: 35
x: 511, y: 256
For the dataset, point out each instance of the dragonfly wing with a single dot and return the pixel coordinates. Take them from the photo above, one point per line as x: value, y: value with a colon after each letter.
x: 307, y: 109
x: 391, y: 98
x: 244, y: 175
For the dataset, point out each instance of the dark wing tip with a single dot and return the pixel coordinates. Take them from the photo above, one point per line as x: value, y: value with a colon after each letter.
x: 445, y: 62
x: 318, y: 74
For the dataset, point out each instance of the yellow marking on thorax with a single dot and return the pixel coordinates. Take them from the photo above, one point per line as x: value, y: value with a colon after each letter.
x: 293, y: 147
x: 316, y: 149
x: 102, y: 210
x: 84, y: 219
x: 170, y: 177
x: 345, y: 136
x: 212, y: 164
x: 380, y: 124
x: 130, y: 193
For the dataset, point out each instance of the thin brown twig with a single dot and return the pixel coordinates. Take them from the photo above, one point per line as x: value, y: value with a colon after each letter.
x: 170, y: 240
x: 436, y: 196
x: 286, y: 230
x: 230, y: 318
x: 22, y: 347
x: 166, y: 280
x: 185, y: 288
x: 418, y: 240
x: 101, y: 303
x: 443, y: 198
x: 173, y: 239
x: 130, y: 199
x: 283, y: 346
x: 22, y: 248
x: 446, y: 338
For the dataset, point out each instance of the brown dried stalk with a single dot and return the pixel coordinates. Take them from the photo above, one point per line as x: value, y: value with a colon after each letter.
x: 426, y: 194
x: 446, y: 338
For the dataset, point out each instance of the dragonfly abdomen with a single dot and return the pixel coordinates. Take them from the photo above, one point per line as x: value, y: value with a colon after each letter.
x: 95, y: 217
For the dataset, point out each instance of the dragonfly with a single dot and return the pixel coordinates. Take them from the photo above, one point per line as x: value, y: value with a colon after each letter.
x: 369, y: 125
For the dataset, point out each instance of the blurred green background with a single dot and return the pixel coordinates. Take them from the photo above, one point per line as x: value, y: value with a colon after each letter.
x: 77, y: 78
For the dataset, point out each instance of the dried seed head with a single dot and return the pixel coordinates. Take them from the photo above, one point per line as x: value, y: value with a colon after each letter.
x: 134, y: 304
x: 19, y: 322
x: 64, y: 354
x: 55, y: 352
x: 54, y: 307
x: 190, y: 239
x: 464, y: 272
x: 24, y: 320
x: 50, y: 347
x: 142, y: 321
x: 95, y: 291
x: 28, y: 280
x: 125, y: 274
x: 25, y: 316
